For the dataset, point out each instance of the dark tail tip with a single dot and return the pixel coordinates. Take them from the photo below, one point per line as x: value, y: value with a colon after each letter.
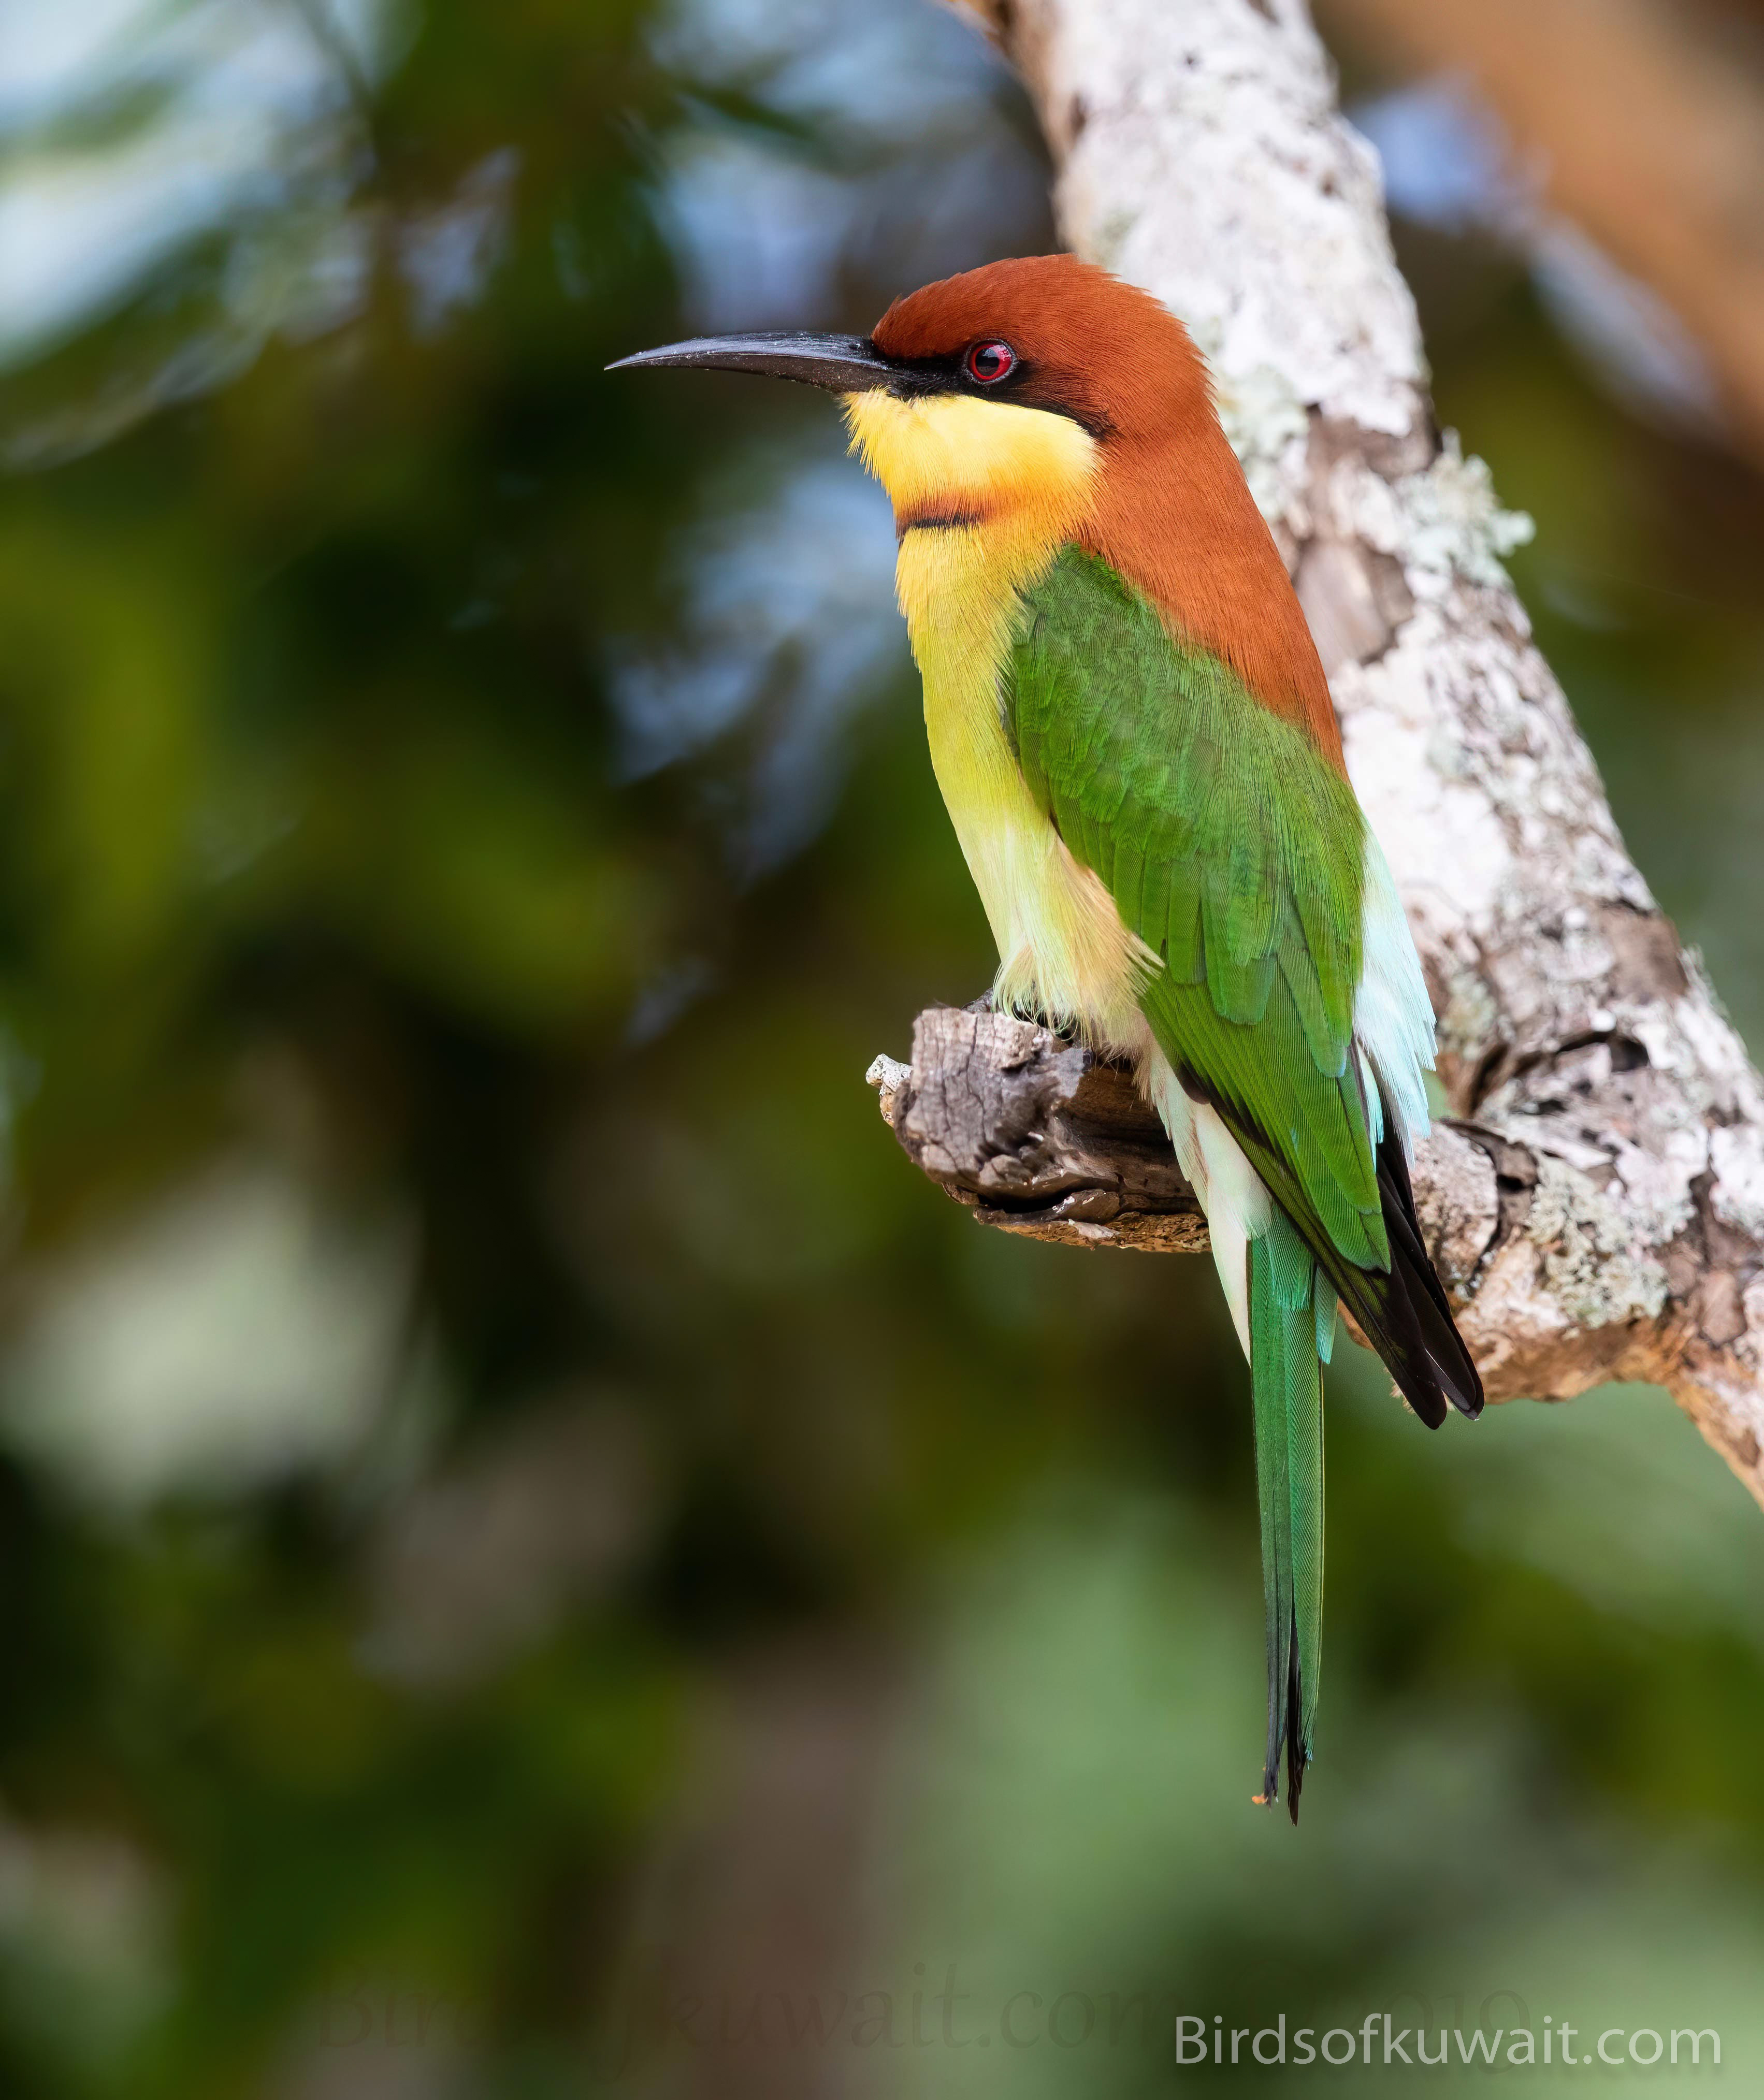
x: 1286, y: 1742
x: 1297, y: 1755
x: 1296, y: 1758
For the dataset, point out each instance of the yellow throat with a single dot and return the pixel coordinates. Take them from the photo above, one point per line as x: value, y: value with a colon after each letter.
x: 985, y: 494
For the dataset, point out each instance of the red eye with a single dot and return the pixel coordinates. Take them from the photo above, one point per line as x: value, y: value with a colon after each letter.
x: 988, y: 362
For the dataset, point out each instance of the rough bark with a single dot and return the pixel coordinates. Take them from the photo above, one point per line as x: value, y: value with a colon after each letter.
x: 1035, y: 1135
x: 1599, y: 1198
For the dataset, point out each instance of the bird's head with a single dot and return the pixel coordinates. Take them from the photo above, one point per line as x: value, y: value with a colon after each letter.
x: 1002, y: 389
x: 1046, y: 400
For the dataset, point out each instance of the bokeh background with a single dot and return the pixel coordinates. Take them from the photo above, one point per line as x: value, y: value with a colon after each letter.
x: 520, y: 1514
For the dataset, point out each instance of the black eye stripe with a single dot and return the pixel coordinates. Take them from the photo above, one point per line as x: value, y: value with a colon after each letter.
x: 1030, y: 386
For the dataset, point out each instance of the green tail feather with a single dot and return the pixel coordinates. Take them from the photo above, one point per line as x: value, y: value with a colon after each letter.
x: 1288, y: 1382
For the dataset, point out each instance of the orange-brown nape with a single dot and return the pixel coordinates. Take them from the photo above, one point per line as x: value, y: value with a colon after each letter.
x: 1172, y: 514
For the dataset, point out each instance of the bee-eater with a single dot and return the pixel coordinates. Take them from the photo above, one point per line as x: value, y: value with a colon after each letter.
x: 1133, y: 734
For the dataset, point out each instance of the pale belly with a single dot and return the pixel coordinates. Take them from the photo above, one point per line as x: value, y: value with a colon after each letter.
x: 1063, y: 950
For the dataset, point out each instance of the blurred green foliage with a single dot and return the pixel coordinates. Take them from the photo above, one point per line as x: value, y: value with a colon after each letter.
x: 464, y: 1308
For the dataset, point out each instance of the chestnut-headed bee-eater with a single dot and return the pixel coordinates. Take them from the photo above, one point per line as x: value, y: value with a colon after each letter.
x: 1134, y: 736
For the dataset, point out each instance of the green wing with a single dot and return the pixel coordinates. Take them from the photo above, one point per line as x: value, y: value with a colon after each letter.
x: 1237, y: 855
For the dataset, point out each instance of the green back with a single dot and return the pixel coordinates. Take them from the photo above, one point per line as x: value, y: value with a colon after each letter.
x: 1237, y: 853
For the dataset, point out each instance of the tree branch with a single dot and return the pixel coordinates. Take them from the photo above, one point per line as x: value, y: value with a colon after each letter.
x: 1609, y: 1129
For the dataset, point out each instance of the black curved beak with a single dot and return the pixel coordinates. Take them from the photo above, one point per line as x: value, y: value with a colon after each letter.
x: 841, y: 363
